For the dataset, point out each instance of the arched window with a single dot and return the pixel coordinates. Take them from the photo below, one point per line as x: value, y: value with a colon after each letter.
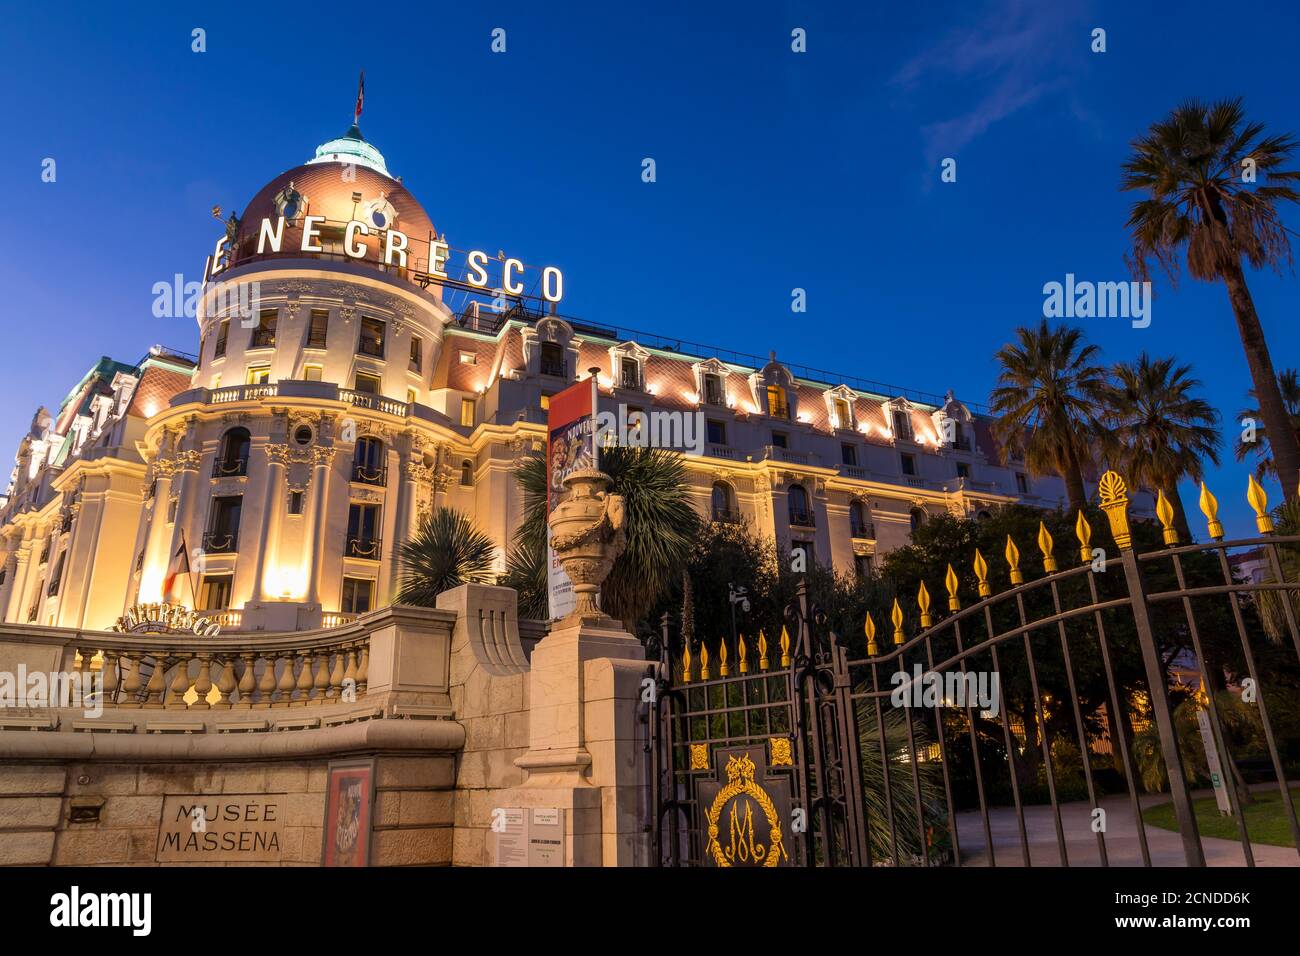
x: 724, y: 502
x: 858, y: 524
x: 800, y: 513
x: 917, y: 517
x: 232, y: 456
x: 368, y: 462
x: 467, y: 473
x: 983, y: 516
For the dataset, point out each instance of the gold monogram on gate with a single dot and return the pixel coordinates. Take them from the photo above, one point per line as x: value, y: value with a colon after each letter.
x: 737, y: 799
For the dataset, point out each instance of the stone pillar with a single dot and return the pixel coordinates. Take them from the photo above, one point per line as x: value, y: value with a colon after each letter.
x: 322, y: 458
x: 22, y: 560
x: 187, y: 464
x: 158, y: 539
x: 585, y: 756
x: 276, y: 457
x: 584, y: 753
x: 403, y: 524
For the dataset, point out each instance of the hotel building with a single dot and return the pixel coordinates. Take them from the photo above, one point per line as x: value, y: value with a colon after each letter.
x: 302, y: 444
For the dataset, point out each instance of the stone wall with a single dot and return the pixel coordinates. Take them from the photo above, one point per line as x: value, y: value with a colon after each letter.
x: 489, y: 696
x: 411, y: 819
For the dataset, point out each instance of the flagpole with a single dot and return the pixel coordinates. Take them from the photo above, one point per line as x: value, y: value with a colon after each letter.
x: 194, y: 591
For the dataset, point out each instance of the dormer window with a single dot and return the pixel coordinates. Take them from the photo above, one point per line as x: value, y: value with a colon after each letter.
x: 902, y: 424
x: 552, y: 360
x: 714, y: 394
x: 843, y: 414
x: 629, y: 373
x: 777, y: 406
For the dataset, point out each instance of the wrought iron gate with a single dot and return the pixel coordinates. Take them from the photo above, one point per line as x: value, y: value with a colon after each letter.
x: 793, y: 752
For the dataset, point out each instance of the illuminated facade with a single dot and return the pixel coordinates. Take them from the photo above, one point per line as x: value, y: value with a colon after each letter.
x: 315, y: 428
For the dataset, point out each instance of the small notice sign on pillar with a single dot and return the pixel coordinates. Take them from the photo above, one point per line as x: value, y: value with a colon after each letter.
x: 523, y: 836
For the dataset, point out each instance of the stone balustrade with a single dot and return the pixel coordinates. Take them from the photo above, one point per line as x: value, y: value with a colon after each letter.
x: 388, y: 663
x: 158, y: 672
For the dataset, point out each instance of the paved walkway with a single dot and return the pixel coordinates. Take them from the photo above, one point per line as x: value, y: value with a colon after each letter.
x: 1122, y: 846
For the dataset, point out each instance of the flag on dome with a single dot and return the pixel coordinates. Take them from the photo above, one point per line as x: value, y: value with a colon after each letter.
x: 361, y: 95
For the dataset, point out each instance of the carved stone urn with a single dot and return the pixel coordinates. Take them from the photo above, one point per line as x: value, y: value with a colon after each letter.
x: 587, y: 535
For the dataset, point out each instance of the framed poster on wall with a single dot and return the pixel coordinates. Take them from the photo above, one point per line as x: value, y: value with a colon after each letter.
x: 349, y: 802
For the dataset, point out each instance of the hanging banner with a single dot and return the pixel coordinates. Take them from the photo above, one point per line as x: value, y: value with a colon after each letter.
x: 570, y: 445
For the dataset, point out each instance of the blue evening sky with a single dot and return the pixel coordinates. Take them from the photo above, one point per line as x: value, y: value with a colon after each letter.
x: 775, y: 170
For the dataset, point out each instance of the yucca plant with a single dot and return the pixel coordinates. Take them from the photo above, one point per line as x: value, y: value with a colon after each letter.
x: 446, y: 551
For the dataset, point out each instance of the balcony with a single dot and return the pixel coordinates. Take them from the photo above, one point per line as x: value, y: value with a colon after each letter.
x: 374, y: 402
x: 220, y: 542
x: 229, y: 467
x: 714, y: 450
x: 856, y: 472
x: 778, y: 453
x: 364, y: 474
x: 554, y: 369
x: 727, y: 516
x: 863, y: 531
x: 802, y: 519
x: 362, y: 546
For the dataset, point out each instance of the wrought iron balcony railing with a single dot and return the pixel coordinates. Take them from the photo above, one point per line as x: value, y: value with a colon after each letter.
x: 221, y: 542
x: 363, y: 546
x: 229, y: 467
x: 802, y: 519
x: 369, y: 475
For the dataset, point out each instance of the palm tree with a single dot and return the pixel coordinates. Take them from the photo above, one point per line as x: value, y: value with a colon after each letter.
x: 1289, y: 387
x: 1158, y: 431
x: 445, y: 552
x: 660, y: 523
x: 1198, y: 168
x: 1046, y: 402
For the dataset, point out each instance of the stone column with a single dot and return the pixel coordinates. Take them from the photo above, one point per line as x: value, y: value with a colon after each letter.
x: 158, y: 539
x: 276, y: 456
x: 402, y: 524
x: 322, y: 459
x: 22, y: 559
x: 187, y: 464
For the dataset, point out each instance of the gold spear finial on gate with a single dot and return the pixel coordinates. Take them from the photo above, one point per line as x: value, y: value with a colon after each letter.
x: 704, y: 661
x: 923, y: 601
x: 686, y: 664
x: 1013, y: 559
x: 982, y: 573
x: 1083, y: 531
x: 723, y: 669
x: 1259, y: 501
x: 762, y: 650
x: 950, y: 582
x: 1114, y: 501
x: 785, y: 647
x: 1045, y: 545
x: 1210, y: 508
x: 1165, y: 512
x: 869, y: 628
x: 896, y: 615
x: 744, y: 655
